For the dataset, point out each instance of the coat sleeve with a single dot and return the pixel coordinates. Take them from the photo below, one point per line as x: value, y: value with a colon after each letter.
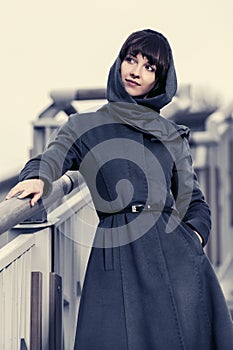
x: 62, y: 154
x: 189, y: 199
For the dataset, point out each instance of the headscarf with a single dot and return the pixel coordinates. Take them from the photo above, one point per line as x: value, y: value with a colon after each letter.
x: 143, y: 113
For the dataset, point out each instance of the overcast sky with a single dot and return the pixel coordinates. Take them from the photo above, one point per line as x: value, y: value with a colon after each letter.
x: 53, y: 44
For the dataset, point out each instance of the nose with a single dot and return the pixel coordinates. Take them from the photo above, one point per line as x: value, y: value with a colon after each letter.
x: 135, y: 71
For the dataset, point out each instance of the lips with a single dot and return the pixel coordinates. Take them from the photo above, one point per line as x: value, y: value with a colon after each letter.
x: 132, y: 82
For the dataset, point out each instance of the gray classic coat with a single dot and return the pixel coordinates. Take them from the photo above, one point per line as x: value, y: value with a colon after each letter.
x: 148, y: 284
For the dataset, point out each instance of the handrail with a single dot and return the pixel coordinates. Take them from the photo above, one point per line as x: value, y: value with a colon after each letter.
x: 78, y: 95
x: 15, y: 210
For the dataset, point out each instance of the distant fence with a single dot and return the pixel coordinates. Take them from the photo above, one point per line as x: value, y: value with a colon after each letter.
x: 213, y: 155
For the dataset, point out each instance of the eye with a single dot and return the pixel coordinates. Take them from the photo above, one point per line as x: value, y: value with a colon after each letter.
x: 130, y: 59
x: 150, y: 68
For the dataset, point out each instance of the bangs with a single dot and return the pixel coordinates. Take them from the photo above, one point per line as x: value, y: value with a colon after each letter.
x: 152, y: 58
x: 146, y: 49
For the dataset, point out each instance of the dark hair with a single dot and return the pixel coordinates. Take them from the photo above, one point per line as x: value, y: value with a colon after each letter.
x: 155, y: 48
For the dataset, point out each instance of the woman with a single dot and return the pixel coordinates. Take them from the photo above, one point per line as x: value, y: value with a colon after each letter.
x: 149, y: 284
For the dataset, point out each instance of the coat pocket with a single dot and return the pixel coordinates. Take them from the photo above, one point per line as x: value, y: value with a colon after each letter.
x: 192, y: 238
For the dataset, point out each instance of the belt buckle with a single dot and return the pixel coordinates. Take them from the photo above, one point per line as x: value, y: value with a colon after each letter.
x: 135, y: 208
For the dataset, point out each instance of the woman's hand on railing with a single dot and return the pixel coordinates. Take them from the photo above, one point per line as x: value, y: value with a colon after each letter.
x: 31, y: 187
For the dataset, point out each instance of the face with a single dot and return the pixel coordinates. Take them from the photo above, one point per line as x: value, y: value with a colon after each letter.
x: 138, y: 75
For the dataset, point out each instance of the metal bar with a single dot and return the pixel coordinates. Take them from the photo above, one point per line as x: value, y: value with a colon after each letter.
x: 218, y: 219
x: 231, y: 180
x: 14, y: 210
x: 36, y: 311
x: 90, y: 94
x: 55, y: 312
x: 66, y: 96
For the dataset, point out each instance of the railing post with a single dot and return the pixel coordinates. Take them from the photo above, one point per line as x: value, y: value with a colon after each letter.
x: 55, y: 312
x: 36, y: 311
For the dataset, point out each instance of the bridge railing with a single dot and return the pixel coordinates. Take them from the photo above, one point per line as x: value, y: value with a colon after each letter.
x: 37, y: 312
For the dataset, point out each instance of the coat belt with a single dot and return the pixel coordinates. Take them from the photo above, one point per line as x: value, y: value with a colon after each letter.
x: 138, y: 208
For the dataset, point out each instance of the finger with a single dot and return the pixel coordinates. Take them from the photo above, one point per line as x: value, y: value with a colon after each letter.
x: 35, y: 198
x: 25, y: 193
x: 10, y: 194
x: 13, y: 193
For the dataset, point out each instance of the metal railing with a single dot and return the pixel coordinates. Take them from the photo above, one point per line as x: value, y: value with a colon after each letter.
x: 14, y: 210
x: 36, y: 248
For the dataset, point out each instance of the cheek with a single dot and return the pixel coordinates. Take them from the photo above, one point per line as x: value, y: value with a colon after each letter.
x: 123, y: 69
x: 150, y: 81
x: 153, y: 78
